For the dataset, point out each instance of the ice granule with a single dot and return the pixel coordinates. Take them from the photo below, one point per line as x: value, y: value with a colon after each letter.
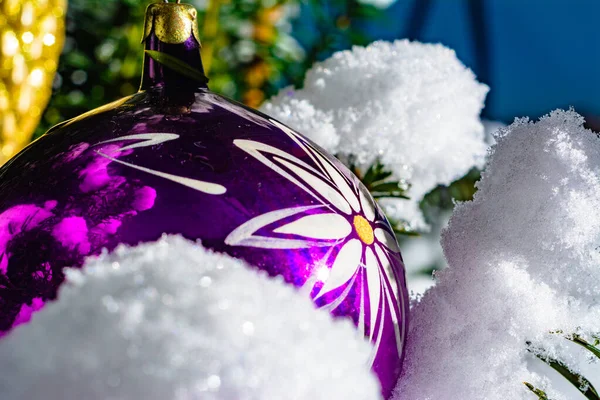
x: 523, y: 262
x: 171, y: 320
x: 415, y: 106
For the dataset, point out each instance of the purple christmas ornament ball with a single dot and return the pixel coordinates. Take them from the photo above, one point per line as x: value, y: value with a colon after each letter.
x: 176, y: 158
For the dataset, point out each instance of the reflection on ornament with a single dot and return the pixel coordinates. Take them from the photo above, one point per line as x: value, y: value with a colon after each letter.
x: 32, y: 35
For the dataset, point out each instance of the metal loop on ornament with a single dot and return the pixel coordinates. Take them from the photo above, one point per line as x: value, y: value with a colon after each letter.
x: 172, y: 25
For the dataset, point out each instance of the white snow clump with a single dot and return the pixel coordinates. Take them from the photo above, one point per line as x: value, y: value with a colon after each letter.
x: 523, y: 260
x: 171, y: 320
x: 414, y: 106
x: 382, y: 4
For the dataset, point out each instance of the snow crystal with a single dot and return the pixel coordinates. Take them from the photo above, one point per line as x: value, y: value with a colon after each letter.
x: 413, y: 105
x: 172, y: 320
x: 523, y: 260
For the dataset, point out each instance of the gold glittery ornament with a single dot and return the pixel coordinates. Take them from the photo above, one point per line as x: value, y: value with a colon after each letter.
x: 31, y: 39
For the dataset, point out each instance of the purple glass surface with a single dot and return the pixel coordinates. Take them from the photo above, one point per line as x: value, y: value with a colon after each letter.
x: 179, y: 159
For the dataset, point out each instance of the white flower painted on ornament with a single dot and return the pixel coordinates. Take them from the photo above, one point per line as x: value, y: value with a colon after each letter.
x: 345, y: 218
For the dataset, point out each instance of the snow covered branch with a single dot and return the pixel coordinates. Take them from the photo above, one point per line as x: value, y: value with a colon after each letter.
x: 523, y: 262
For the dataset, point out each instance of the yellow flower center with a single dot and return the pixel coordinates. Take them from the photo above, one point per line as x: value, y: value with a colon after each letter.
x: 363, y: 229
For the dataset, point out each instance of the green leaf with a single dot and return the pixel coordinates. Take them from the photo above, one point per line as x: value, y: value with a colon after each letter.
x: 577, y: 380
x: 540, y: 393
x: 582, y: 342
x: 388, y: 189
x: 177, y: 65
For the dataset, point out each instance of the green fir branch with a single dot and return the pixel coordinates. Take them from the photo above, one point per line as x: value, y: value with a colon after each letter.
x: 375, y: 173
x: 377, y: 181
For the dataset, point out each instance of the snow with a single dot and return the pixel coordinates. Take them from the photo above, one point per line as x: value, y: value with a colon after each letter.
x: 423, y: 253
x: 415, y: 106
x: 171, y: 320
x: 378, y: 3
x: 523, y: 262
x: 490, y: 128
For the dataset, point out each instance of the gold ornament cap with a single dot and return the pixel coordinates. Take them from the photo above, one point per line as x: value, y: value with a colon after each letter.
x: 173, y: 23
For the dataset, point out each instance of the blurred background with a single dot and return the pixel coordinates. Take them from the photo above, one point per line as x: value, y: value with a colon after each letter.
x: 535, y: 55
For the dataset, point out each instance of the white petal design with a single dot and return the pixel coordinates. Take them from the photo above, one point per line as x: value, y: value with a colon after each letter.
x: 374, y: 285
x: 367, y: 203
x: 334, y: 304
x: 151, y: 139
x: 255, y: 149
x: 387, y: 269
x: 320, y: 186
x: 319, y: 226
x: 344, y: 266
x: 341, y: 183
x: 323, y: 164
x: 299, y: 140
x: 201, y: 186
x: 361, y: 310
x: 392, y: 295
x: 244, y: 235
x: 391, y: 302
x: 386, y: 239
x: 146, y: 139
x: 378, y: 340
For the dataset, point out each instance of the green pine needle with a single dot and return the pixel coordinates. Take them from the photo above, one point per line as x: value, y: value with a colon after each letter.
x: 582, y: 384
x: 585, y: 344
x: 376, y: 172
x: 577, y: 380
x: 540, y: 393
x: 388, y: 189
x: 378, y: 181
x: 177, y: 65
